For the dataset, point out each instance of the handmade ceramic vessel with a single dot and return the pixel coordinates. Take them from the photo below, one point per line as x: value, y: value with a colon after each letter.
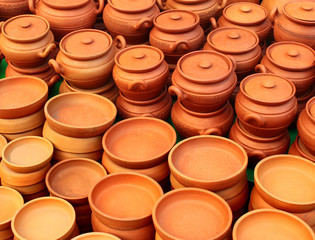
x: 303, y: 99
x: 269, y: 5
x: 298, y: 148
x: 33, y: 132
x: 62, y: 155
x: 26, y: 190
x: 3, y: 143
x: 13, y: 8
x: 96, y: 236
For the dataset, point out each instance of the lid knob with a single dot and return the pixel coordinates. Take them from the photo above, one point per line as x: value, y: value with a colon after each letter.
x: 139, y: 55
x: 306, y: 7
x: 87, y: 40
x: 293, y: 53
x: 175, y: 16
x: 245, y: 9
x: 205, y: 64
x: 25, y: 24
x: 234, y: 35
x: 268, y: 83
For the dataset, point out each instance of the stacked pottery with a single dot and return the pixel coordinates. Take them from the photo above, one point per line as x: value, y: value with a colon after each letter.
x: 203, y: 82
x: 72, y: 180
x: 13, y: 8
x: 213, y: 163
x: 22, y: 106
x: 3, y: 143
x: 122, y: 205
x: 285, y: 182
x: 75, y: 124
x: 140, y: 73
x: 24, y: 165
x: 265, y: 106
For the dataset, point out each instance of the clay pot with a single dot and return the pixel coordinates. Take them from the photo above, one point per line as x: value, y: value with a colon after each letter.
x: 121, y: 142
x: 203, y: 80
x: 159, y: 107
x: 240, y: 43
x: 13, y: 8
x: 182, y: 214
x: 292, y: 60
x: 204, y: 9
x: 86, y: 58
x: 61, y: 155
x: 266, y: 101
x: 298, y: 148
x: 96, y: 236
x: 140, y: 72
x: 269, y: 5
x: 26, y: 41
x: 303, y: 99
x: 26, y: 190
x: 296, y: 23
x: 188, y: 123
x: 67, y: 16
x: 3, y: 143
x: 33, y: 132
x: 247, y: 15
x: 133, y: 20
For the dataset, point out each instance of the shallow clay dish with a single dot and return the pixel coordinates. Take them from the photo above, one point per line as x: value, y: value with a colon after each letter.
x: 192, y: 213
x: 33, y: 132
x: 286, y: 182
x: 73, y: 179
x: 271, y: 224
x: 80, y: 114
x: 3, y: 143
x: 61, y: 155
x: 44, y: 218
x: 125, y: 200
x: 21, y: 96
x: 298, y: 148
x: 140, y: 142
x: 96, y: 236
x: 26, y: 190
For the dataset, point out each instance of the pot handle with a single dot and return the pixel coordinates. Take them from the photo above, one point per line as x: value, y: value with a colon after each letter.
x: 260, y: 68
x: 138, y: 83
x: 144, y: 22
x: 51, y: 47
x: 213, y: 23
x: 257, y: 153
x: 120, y: 42
x: 223, y: 4
x: 178, y: 43
x: 272, y: 15
x: 31, y: 5
x: 101, y: 5
x: 53, y: 80
x: 56, y: 66
x: 161, y: 4
x: 254, y: 117
x: 211, y: 131
x: 173, y: 90
x: 233, y: 61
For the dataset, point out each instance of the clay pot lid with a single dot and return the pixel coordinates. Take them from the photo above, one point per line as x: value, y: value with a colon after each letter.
x: 96, y: 236
x: 3, y: 143
x: 267, y: 88
x: 301, y: 11
x: 69, y: 4
x: 44, y: 218
x: 73, y: 179
x: 25, y: 28
x: 291, y: 55
x: 28, y: 154
x: 245, y: 13
x: 233, y: 39
x: 176, y: 21
x: 139, y: 58
x: 133, y: 6
x: 271, y: 224
x: 192, y: 213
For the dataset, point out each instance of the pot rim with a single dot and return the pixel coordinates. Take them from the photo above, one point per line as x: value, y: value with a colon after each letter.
x: 299, y: 21
x: 109, y: 2
x: 34, y: 71
x: 297, y: 145
x: 310, y: 103
x: 73, y: 6
x: 89, y: 235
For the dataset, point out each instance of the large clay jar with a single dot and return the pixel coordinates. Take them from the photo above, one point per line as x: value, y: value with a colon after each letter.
x: 296, y: 23
x: 26, y: 41
x: 131, y: 19
x: 204, y: 8
x: 86, y: 58
x: 203, y: 80
x: 292, y: 60
x: 140, y: 72
x: 265, y: 104
x: 176, y: 32
x: 13, y: 8
x: 67, y: 16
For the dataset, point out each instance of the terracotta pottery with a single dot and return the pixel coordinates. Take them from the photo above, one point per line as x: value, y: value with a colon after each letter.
x: 73, y: 179
x: 57, y: 222
x: 21, y: 96
x: 83, y: 220
x: 204, y: 9
x: 26, y: 41
x: 121, y: 142
x: 140, y: 72
x: 268, y: 223
x: 303, y: 99
x: 278, y: 176
x: 67, y: 16
x: 203, y: 80
x: 298, y: 148
x: 133, y: 20
x: 191, y: 213
x: 269, y: 5
x: 33, y: 132
x: 159, y: 107
x: 61, y: 155
x: 258, y: 148
x: 292, y: 60
x: 13, y: 8
x: 96, y: 236
x: 241, y: 43
x: 93, y: 114
x: 296, y: 23
x: 30, y: 197
x: 3, y: 143
x: 109, y: 196
x: 6, y: 234
x: 247, y: 15
x: 83, y: 209
x: 26, y: 190
x: 86, y: 57
x: 10, y: 202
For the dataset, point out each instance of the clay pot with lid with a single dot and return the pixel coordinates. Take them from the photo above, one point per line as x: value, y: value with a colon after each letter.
x: 26, y: 41
x: 296, y: 23
x: 140, y: 72
x: 13, y: 8
x: 86, y: 58
x: 67, y: 16
x: 131, y: 19
x: 292, y: 60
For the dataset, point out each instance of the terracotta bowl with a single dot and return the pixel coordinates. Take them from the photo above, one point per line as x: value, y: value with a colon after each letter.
x: 10, y: 202
x: 27, y: 190
x: 44, y: 218
x: 209, y: 162
x: 3, y: 143
x: 298, y: 148
x: 28, y: 154
x: 286, y: 182
x: 96, y: 236
x: 73, y: 179
x: 140, y: 142
x: 109, y: 197
x: 83, y: 209
x: 271, y: 224
x: 61, y: 155
x: 192, y: 213
x: 79, y: 114
x: 21, y: 96
x: 33, y: 132
x: 30, y: 197
x: 6, y: 234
